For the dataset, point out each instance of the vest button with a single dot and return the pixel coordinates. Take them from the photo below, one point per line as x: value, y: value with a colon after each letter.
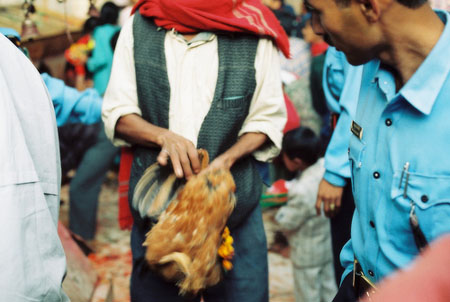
x: 388, y: 122
x: 424, y: 198
x: 376, y: 175
x: 371, y: 273
x: 372, y: 224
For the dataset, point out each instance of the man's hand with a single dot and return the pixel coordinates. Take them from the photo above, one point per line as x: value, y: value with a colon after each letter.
x: 181, y: 151
x: 182, y: 154
x: 330, y: 196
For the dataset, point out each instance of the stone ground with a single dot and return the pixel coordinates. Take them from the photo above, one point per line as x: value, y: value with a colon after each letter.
x: 112, y: 257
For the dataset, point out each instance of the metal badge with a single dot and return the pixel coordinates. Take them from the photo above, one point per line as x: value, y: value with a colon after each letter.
x: 357, y: 130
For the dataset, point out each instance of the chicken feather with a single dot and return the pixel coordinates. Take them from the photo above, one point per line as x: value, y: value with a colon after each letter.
x: 182, y: 246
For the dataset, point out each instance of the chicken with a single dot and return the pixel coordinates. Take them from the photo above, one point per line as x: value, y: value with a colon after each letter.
x: 183, y: 245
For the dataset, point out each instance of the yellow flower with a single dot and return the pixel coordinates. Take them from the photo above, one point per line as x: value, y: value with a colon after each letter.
x: 226, y: 250
x: 227, y: 265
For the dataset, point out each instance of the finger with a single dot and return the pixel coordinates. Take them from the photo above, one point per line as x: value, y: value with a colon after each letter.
x: 174, y: 157
x: 185, y: 164
x: 326, y: 207
x: 194, y: 159
x: 163, y: 157
x: 338, y: 202
x: 318, y: 206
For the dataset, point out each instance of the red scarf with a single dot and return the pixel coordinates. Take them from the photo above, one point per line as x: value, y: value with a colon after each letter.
x: 191, y: 16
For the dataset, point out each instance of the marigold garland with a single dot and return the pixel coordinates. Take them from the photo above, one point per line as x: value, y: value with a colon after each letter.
x: 226, y: 250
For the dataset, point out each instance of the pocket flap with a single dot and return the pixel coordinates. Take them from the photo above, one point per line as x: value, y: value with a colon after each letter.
x: 426, y: 191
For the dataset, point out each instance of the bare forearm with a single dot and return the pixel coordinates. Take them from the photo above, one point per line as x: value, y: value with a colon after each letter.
x: 136, y: 130
x: 246, y: 144
x: 179, y: 150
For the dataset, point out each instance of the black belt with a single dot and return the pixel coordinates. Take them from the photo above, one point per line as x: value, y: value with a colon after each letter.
x: 362, y: 285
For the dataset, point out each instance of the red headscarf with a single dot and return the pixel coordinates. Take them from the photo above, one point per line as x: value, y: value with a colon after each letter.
x: 190, y: 16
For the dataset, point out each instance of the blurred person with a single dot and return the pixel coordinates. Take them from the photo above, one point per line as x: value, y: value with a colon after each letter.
x: 32, y: 260
x: 91, y: 171
x: 77, y: 55
x: 309, y: 235
x: 399, y: 172
x: 213, y: 85
x: 100, y: 61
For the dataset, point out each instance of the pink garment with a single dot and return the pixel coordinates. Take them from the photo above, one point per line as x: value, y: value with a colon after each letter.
x: 427, y: 279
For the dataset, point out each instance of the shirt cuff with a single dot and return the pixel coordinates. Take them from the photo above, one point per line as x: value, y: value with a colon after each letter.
x: 110, y: 121
x: 272, y: 147
x: 335, y: 179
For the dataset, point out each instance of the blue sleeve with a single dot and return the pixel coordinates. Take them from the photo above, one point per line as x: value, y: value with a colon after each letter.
x: 334, y: 71
x: 71, y: 105
x: 337, y: 164
x: 347, y: 258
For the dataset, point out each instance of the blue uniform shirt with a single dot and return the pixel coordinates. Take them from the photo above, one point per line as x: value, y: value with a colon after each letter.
x: 341, y: 83
x: 411, y: 125
x: 71, y: 105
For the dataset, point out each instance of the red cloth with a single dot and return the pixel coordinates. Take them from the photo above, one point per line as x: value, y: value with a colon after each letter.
x: 293, y: 119
x: 125, y: 217
x: 191, y: 16
x: 318, y: 48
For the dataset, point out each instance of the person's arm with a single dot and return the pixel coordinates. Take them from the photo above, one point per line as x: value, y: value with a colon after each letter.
x: 267, y: 113
x: 71, y: 105
x: 247, y: 143
x: 336, y: 157
x: 182, y: 152
x: 122, y: 115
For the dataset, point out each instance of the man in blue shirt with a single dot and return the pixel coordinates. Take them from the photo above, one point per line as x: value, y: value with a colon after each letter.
x: 341, y: 83
x: 400, y: 135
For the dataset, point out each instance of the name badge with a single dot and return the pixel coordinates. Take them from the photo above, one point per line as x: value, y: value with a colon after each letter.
x: 357, y: 130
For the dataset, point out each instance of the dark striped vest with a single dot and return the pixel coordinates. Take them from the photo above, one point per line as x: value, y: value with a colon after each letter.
x: 230, y: 106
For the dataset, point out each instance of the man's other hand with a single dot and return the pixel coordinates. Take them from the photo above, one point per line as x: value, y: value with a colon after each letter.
x: 330, y: 197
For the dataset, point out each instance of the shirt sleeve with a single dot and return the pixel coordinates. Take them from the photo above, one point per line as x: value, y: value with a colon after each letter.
x: 347, y: 258
x: 121, y: 95
x: 71, y: 105
x: 337, y: 164
x: 267, y: 112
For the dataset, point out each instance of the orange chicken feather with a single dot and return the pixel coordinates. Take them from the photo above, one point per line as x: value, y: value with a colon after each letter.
x: 183, y: 245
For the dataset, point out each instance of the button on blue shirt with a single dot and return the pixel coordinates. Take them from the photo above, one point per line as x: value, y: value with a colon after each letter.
x: 411, y: 125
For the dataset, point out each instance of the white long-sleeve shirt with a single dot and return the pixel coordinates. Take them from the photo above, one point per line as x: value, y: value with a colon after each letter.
x: 192, y: 69
x: 32, y: 261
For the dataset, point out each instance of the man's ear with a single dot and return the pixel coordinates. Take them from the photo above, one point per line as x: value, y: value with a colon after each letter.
x: 370, y: 9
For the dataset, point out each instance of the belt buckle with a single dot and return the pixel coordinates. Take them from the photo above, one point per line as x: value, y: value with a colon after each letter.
x: 362, y: 285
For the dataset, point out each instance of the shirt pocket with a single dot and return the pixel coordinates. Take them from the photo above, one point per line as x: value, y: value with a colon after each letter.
x: 236, y: 102
x: 431, y: 196
x: 356, y: 154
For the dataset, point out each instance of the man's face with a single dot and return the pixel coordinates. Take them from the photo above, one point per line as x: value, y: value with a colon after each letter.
x: 344, y: 27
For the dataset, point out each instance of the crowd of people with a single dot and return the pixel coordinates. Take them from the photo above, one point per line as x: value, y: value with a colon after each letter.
x: 344, y: 100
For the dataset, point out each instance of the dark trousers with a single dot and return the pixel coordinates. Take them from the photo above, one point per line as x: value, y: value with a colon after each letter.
x: 346, y: 292
x: 246, y: 282
x: 86, y: 185
x: 340, y: 228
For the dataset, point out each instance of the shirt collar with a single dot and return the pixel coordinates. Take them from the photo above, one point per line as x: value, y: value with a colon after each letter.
x: 199, y: 39
x: 424, y: 86
x: 426, y: 83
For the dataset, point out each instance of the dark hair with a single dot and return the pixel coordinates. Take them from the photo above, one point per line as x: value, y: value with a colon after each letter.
x: 302, y: 143
x: 90, y: 24
x: 109, y: 13
x: 113, y: 40
x: 407, y: 3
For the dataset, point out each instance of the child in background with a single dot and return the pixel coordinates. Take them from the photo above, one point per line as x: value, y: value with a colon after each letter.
x: 308, y: 234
